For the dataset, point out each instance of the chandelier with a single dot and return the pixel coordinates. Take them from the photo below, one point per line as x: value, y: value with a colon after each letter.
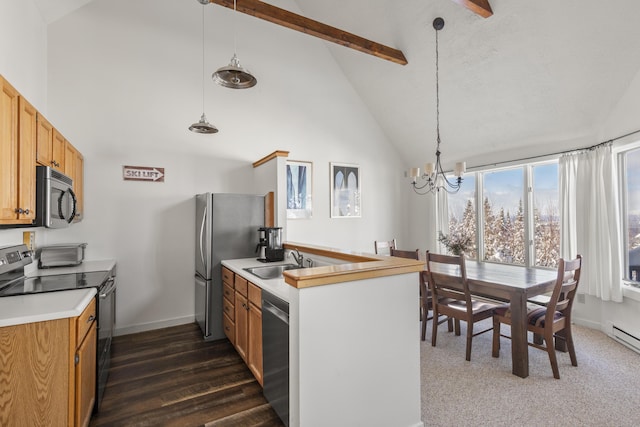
x: 433, y: 178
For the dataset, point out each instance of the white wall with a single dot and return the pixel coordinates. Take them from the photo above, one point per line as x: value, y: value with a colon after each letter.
x: 23, y: 50
x: 124, y: 84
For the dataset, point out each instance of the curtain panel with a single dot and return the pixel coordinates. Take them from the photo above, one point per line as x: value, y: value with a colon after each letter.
x: 590, y: 219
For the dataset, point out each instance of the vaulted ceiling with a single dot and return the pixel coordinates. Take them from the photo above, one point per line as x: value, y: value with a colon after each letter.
x: 533, y: 77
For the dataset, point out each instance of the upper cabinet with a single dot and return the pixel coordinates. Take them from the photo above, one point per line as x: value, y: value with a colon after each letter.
x: 18, y: 133
x: 27, y: 139
x: 50, y: 146
x: 74, y: 168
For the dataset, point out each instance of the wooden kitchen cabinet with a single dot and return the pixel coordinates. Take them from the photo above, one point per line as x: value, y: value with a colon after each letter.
x: 242, y: 319
x: 58, y: 359
x: 84, y: 395
x: 74, y: 168
x: 254, y: 332
x: 50, y: 145
x: 242, y: 326
x: 18, y: 130
x: 228, y: 305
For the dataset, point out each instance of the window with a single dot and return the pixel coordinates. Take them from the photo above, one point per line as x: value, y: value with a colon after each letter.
x: 516, y: 226
x: 462, y: 214
x: 503, y: 216
x: 546, y: 215
x: 631, y: 188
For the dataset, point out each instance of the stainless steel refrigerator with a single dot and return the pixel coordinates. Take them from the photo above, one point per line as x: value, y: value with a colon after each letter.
x: 226, y: 228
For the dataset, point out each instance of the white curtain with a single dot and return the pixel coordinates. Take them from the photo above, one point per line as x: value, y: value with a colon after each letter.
x: 590, y: 220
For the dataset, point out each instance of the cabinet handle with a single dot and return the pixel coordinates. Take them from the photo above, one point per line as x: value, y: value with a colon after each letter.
x: 91, y: 318
x: 26, y: 211
x: 19, y: 211
x: 77, y: 359
x: 227, y: 328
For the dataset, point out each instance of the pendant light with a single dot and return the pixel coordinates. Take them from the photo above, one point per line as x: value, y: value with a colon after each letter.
x: 203, y: 126
x: 233, y: 75
x: 434, y: 178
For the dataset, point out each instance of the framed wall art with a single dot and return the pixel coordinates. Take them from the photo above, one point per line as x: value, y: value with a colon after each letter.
x: 346, y: 192
x: 299, y: 189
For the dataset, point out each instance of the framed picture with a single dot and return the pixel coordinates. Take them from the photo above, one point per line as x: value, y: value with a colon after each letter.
x: 346, y: 192
x: 299, y: 189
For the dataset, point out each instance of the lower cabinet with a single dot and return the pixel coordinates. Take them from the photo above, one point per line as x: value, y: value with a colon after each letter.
x: 48, y: 369
x: 242, y: 319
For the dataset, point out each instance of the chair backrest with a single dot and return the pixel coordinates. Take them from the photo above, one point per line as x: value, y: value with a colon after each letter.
x: 383, y: 247
x: 404, y: 254
x: 448, y: 278
x: 565, y: 289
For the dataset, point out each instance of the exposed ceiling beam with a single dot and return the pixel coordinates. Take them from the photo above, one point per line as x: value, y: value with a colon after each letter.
x: 481, y: 7
x: 297, y: 22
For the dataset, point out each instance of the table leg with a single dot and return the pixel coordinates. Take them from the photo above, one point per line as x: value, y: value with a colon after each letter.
x: 519, y: 346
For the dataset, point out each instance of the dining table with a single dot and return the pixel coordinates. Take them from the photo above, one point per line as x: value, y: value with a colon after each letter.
x: 515, y: 285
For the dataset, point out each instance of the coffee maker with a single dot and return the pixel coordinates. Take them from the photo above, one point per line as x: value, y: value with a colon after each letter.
x: 270, y: 244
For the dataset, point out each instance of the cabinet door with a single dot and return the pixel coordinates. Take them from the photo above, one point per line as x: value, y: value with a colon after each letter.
x: 58, y: 150
x: 34, y: 374
x: 242, y: 320
x: 254, y: 356
x: 44, y: 142
x: 27, y: 136
x: 85, y: 378
x: 8, y: 151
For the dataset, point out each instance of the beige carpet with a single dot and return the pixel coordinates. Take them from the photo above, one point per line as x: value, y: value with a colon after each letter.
x: 603, y: 390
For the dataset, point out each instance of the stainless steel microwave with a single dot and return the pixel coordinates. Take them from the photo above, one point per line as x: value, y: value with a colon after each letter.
x: 55, y: 200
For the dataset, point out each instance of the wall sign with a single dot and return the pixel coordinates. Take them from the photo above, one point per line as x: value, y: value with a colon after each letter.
x: 142, y: 173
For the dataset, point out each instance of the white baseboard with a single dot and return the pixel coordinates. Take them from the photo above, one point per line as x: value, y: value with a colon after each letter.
x: 143, y: 327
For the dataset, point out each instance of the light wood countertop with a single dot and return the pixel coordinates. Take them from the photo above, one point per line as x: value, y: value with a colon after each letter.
x: 359, y: 266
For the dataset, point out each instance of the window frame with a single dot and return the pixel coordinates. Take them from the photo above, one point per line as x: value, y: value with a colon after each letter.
x: 527, y: 201
x: 621, y: 151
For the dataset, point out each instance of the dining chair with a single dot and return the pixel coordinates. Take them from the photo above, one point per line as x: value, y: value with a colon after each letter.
x: 550, y: 321
x: 426, y: 305
x: 383, y: 247
x: 401, y: 253
x: 451, y: 296
x: 406, y: 254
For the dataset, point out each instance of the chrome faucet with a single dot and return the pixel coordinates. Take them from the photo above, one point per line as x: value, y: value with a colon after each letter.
x: 298, y: 257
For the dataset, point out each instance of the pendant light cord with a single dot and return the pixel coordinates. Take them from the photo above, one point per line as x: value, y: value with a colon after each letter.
x: 437, y: 98
x: 202, y: 59
x: 235, y: 50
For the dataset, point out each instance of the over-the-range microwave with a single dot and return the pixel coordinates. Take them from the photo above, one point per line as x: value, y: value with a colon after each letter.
x: 55, y: 199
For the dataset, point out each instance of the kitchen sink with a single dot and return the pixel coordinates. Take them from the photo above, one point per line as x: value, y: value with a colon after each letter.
x: 271, y: 271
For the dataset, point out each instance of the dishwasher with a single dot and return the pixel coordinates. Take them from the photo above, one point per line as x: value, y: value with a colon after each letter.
x: 275, y: 353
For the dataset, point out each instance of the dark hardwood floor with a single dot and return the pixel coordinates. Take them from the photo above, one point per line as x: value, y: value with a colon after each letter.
x: 172, y: 377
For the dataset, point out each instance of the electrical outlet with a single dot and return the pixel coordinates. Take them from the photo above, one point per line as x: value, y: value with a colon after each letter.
x: 580, y: 298
x: 29, y: 239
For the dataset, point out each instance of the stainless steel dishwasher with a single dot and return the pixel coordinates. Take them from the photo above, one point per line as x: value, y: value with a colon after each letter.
x: 275, y: 353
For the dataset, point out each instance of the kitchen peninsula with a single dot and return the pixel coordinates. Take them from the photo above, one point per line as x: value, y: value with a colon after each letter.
x: 354, y: 337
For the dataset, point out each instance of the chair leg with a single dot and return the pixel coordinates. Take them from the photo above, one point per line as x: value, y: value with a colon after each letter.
x: 548, y: 338
x: 457, y: 326
x: 434, y: 332
x: 469, y: 339
x: 449, y: 324
x: 495, y: 348
x: 570, y: 347
x: 537, y: 339
x: 424, y: 324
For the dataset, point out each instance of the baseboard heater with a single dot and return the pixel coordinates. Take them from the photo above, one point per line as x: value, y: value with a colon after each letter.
x: 626, y: 338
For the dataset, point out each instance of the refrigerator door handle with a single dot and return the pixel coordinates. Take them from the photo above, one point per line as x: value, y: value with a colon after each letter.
x: 202, y: 242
